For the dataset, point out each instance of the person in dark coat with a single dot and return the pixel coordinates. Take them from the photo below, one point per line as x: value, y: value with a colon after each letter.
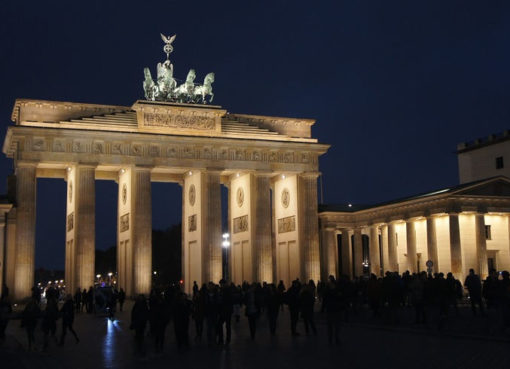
x: 198, y: 313
x: 306, y: 302
x: 67, y: 312
x: 211, y: 312
x: 252, y: 310
x: 182, y: 311
x: 474, y: 286
x: 333, y: 300
x: 29, y: 318
x: 5, y: 315
x: 226, y: 308
x: 292, y: 300
x: 159, y: 317
x: 122, y: 298
x: 274, y: 299
x: 139, y: 317
x: 49, y: 321
x: 77, y: 300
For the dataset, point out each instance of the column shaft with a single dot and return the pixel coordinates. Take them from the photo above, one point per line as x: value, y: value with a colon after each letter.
x: 455, y: 246
x: 309, y: 225
x: 25, y: 230
x: 375, y: 259
x: 358, y: 253
x: 261, y: 233
x: 142, y: 230
x: 85, y: 223
x: 392, y: 248
x: 346, y: 253
x: 2, y: 253
x: 329, y: 244
x: 481, y: 246
x: 432, y: 243
x: 10, y: 250
x: 411, y: 246
x: 384, y: 246
x: 211, y: 227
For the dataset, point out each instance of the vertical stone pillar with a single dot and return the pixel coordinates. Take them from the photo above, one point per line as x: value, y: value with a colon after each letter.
x: 85, y: 226
x: 481, y: 246
x: 260, y: 216
x: 142, y: 229
x: 346, y: 253
x: 432, y: 242
x: 211, y: 226
x: 384, y: 246
x: 10, y: 250
x: 392, y: 248
x: 330, y: 253
x: 309, y: 225
x: 375, y: 259
x: 455, y: 246
x: 358, y: 253
x: 25, y: 229
x: 2, y: 252
x: 411, y: 246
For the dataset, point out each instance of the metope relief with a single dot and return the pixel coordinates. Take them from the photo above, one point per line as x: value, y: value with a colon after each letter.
x: 287, y: 224
x: 192, y: 223
x: 241, y: 224
x: 124, y: 222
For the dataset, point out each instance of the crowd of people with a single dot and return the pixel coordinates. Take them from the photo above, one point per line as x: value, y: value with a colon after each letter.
x: 212, y: 308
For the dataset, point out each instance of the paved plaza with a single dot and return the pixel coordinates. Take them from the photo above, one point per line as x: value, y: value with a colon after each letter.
x: 365, y: 344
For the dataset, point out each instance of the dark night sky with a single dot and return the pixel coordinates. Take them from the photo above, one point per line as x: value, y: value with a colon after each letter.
x: 394, y: 85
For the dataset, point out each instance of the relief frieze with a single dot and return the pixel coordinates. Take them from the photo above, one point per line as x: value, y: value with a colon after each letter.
x: 124, y: 222
x: 241, y: 224
x: 192, y: 223
x: 179, y: 121
x: 70, y: 222
x: 287, y: 224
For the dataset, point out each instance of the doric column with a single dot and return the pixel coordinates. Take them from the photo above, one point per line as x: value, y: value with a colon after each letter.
x: 384, y: 247
x: 411, y: 246
x: 211, y: 226
x: 142, y: 230
x: 309, y: 225
x: 455, y: 246
x: 10, y: 250
x: 358, y: 253
x: 346, y: 253
x: 2, y: 251
x: 481, y: 245
x: 375, y: 260
x: 392, y: 248
x: 261, y: 233
x: 25, y: 229
x: 84, y: 226
x: 330, y: 259
x: 432, y: 242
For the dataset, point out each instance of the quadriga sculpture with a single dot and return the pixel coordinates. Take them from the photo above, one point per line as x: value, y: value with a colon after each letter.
x: 184, y: 93
x: 200, y: 92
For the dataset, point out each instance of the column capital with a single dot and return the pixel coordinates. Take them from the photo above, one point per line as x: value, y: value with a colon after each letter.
x: 311, y: 175
x: 26, y: 164
x: 86, y: 165
x: 142, y: 168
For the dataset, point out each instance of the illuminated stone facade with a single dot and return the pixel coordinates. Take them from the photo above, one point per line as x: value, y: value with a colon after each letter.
x: 199, y: 147
x: 457, y: 229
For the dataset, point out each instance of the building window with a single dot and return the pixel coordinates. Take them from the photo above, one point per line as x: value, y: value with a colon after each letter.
x: 488, y: 235
x: 499, y: 162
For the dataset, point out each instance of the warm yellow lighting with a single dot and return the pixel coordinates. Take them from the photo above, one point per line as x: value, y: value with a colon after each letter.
x: 98, y: 276
x: 283, y: 176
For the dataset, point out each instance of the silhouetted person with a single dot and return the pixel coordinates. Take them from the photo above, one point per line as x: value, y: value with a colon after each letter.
x: 122, y: 298
x: 198, y: 312
x: 90, y: 300
x: 454, y: 292
x: 252, y: 310
x: 273, y: 307
x: 29, y: 319
x: 211, y: 312
x: 49, y: 321
x: 67, y: 312
x: 159, y: 317
x: 195, y: 288
x: 474, y: 286
x: 5, y: 291
x: 490, y: 289
x: 139, y: 317
x: 333, y: 301
x: 416, y: 290
x: 77, y: 300
x: 292, y: 300
x: 84, y: 300
x: 281, y: 289
x: 225, y: 311
x: 5, y: 315
x: 182, y: 311
x: 306, y: 302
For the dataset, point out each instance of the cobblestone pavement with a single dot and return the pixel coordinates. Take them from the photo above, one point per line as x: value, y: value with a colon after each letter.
x: 106, y: 344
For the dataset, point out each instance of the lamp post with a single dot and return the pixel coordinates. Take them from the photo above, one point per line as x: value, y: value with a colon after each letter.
x: 225, y: 245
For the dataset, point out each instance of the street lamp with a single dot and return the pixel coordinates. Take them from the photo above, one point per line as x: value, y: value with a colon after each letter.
x: 225, y: 244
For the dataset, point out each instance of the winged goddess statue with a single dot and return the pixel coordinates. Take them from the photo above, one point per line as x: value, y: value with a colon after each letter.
x: 168, y: 48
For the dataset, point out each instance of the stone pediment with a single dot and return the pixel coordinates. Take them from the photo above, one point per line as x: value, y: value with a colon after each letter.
x: 495, y: 187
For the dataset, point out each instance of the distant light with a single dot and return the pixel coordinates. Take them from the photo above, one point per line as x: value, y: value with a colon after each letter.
x: 283, y: 176
x: 98, y: 276
x: 226, y: 244
x: 190, y: 172
x: 110, y: 274
x: 226, y: 235
x: 237, y: 175
x: 61, y: 281
x: 56, y: 281
x: 350, y: 205
x: 181, y: 281
x: 154, y: 272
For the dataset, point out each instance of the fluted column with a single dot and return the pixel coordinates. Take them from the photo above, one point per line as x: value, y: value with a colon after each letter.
x: 384, y: 247
x: 211, y: 226
x: 330, y: 260
x: 25, y: 229
x: 375, y: 260
x: 432, y: 242
x: 309, y: 225
x: 358, y: 253
x: 411, y: 246
x: 455, y: 246
x: 346, y: 251
x: 2, y: 251
x: 261, y: 233
x: 142, y: 230
x: 392, y: 248
x: 481, y: 245
x: 10, y: 250
x: 85, y: 224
